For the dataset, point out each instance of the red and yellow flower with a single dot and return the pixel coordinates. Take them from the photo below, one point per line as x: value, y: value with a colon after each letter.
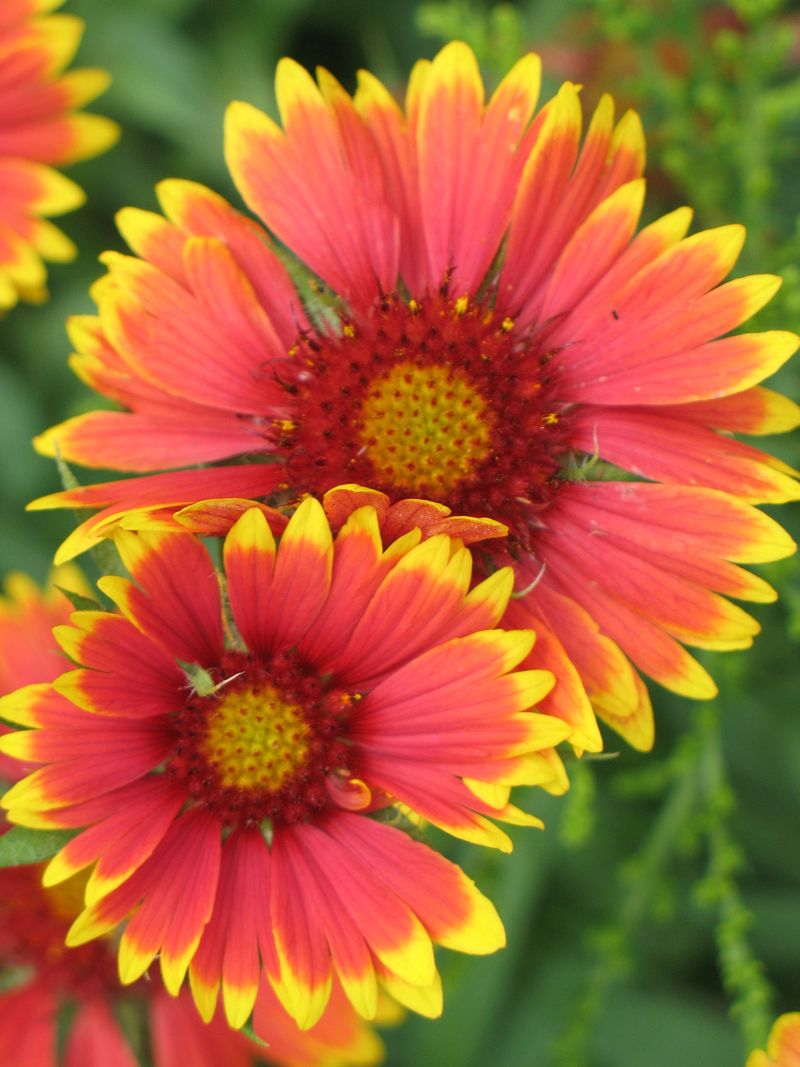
x: 41, y: 127
x: 488, y: 322
x: 41, y: 976
x: 239, y: 775
x: 783, y: 1047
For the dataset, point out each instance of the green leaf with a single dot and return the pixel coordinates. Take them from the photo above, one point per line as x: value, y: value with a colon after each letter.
x: 79, y: 601
x: 22, y: 845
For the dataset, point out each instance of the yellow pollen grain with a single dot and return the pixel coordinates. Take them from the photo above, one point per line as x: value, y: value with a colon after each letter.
x: 413, y: 306
x: 349, y: 330
x: 507, y: 325
x: 461, y: 305
x: 255, y: 739
x: 550, y: 419
x: 425, y: 429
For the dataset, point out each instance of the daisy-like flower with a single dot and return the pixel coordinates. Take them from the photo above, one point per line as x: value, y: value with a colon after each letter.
x: 43, y: 979
x: 783, y: 1047
x: 492, y: 323
x: 40, y: 127
x: 239, y: 774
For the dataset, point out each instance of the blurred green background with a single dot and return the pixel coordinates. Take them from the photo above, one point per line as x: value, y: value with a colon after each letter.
x: 656, y: 922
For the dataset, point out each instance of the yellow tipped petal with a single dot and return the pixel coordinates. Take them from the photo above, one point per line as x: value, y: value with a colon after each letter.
x: 26, y: 793
x: 204, y: 996
x: 92, y: 134
x: 87, y: 927
x: 20, y: 744
x: 305, y: 1003
x: 424, y: 1000
x: 132, y: 961
x: 362, y: 992
x: 174, y: 968
x: 629, y: 137
x: 85, y: 84
x: 59, y: 869
x: 238, y: 1003
x: 494, y: 593
x: 482, y: 932
x: 295, y: 91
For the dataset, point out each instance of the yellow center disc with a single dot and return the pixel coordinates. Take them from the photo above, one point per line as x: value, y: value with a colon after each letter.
x: 255, y: 740
x: 425, y: 428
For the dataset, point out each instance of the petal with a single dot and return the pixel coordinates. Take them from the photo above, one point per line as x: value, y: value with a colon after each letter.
x: 756, y: 411
x: 113, y: 695
x: 467, y: 676
x: 569, y: 698
x: 359, y: 566
x: 228, y: 954
x: 301, y: 578
x: 138, y: 442
x: 683, y: 520
x: 110, y: 644
x: 359, y: 903
x: 646, y: 643
x: 340, y: 1031
x: 122, y: 841
x: 222, y: 355
x: 667, y: 448
x: 678, y: 375
x: 447, y: 903
x: 302, y: 979
x: 387, y: 125
x: 175, y: 489
x: 34, y: 1042
x: 334, y: 219
x: 680, y: 607
x: 603, y: 669
x: 556, y: 193
x: 784, y: 1040
x: 176, y: 885
x: 176, y: 599
x: 200, y: 211
x: 152, y: 237
x: 116, y: 752
x: 350, y: 955
x: 415, y: 603
x: 469, y: 160
x: 249, y: 557
x: 593, y: 249
x: 638, y: 727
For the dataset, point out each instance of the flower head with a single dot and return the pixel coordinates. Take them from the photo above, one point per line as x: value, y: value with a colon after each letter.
x: 240, y: 774
x: 783, y: 1047
x: 40, y: 127
x: 485, y: 325
x: 41, y: 976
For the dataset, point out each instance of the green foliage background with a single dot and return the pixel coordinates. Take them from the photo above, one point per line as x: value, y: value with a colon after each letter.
x: 656, y: 922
